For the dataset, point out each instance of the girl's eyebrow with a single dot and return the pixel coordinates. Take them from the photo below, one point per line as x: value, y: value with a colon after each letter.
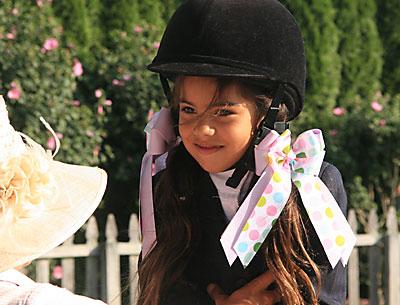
x: 214, y: 104
x: 186, y: 102
x: 224, y: 104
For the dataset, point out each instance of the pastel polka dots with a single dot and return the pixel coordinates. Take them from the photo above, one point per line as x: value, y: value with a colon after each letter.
x: 272, y: 211
x: 278, y: 197
x: 340, y: 240
x: 256, y: 247
x: 317, y: 215
x: 248, y: 258
x: 261, y: 202
x: 329, y: 213
x: 265, y: 233
x: 268, y: 189
x: 276, y: 177
x: 261, y: 222
x: 242, y: 247
x: 254, y: 235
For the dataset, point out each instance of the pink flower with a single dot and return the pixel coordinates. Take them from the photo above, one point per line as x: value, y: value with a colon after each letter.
x: 89, y: 133
x: 76, y: 103
x: 117, y: 82
x: 156, y: 45
x: 126, y: 77
x: 77, y: 68
x: 39, y: 3
x: 59, y: 135
x: 10, y: 35
x: 14, y: 11
x: 58, y: 272
x: 333, y: 132
x: 51, y: 143
x: 100, y: 109
x: 138, y: 29
x: 382, y: 123
x: 338, y: 111
x: 108, y: 102
x: 50, y: 44
x: 14, y: 93
x: 376, y: 106
x: 98, y: 93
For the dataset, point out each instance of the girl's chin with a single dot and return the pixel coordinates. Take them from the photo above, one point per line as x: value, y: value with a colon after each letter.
x: 213, y: 168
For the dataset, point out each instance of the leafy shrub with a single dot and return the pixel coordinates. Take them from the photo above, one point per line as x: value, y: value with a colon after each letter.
x: 36, y: 77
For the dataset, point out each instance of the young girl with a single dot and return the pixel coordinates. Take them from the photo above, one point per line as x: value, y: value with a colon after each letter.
x: 235, y: 213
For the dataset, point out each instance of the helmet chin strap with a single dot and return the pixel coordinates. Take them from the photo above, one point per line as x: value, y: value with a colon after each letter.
x: 269, y: 123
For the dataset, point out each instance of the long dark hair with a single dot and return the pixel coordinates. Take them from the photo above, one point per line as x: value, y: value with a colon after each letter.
x: 285, y: 246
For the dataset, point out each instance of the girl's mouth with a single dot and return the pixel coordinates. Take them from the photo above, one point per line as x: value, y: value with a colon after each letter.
x: 207, y: 149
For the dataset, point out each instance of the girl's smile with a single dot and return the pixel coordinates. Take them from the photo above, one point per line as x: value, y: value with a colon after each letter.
x: 208, y: 149
x: 215, y: 125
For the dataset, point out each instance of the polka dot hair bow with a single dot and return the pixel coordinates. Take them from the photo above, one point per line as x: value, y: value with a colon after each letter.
x: 278, y: 164
x: 160, y: 137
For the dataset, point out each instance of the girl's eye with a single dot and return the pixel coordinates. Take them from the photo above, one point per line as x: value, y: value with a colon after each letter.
x: 223, y: 112
x: 187, y: 109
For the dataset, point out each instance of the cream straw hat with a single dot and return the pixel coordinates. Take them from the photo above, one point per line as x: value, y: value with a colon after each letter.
x: 42, y: 201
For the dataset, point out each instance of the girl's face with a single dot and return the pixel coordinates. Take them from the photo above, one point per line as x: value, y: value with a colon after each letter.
x: 216, y: 127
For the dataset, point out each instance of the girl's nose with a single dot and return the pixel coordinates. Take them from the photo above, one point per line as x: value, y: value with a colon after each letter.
x: 203, y: 129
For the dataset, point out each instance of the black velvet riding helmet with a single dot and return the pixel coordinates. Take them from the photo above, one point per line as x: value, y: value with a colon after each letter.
x: 256, y: 39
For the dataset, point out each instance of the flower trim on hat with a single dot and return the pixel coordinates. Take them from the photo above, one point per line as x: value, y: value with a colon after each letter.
x: 26, y: 183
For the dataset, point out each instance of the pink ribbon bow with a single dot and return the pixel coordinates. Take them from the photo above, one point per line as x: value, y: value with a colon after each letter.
x: 160, y: 138
x: 278, y: 164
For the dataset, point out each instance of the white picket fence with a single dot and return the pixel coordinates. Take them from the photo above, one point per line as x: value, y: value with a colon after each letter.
x: 102, y: 262
x: 103, y: 276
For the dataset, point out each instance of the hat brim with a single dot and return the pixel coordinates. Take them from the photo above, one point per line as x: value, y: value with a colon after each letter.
x: 79, y: 192
x: 206, y: 69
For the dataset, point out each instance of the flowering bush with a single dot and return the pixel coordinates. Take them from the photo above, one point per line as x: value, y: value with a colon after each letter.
x: 38, y: 75
x: 120, y: 88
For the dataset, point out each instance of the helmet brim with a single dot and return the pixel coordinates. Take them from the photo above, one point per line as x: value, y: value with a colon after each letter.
x: 205, y: 69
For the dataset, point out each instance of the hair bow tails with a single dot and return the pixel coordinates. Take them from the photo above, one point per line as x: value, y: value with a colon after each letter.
x: 160, y: 137
x: 331, y: 226
x: 252, y: 222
